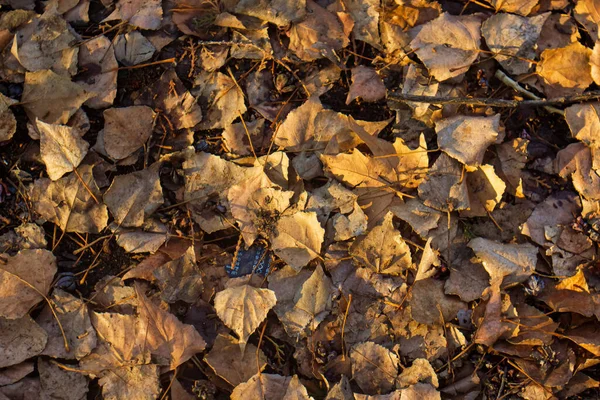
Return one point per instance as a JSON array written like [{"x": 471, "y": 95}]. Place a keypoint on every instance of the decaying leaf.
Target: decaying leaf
[
  {"x": 225, "y": 359},
  {"x": 280, "y": 13},
  {"x": 374, "y": 367},
  {"x": 270, "y": 386},
  {"x": 20, "y": 339},
  {"x": 512, "y": 262},
  {"x": 26, "y": 277},
  {"x": 133, "y": 48},
  {"x": 586, "y": 13},
  {"x": 57, "y": 383},
  {"x": 8, "y": 123},
  {"x": 61, "y": 147},
  {"x": 567, "y": 67},
  {"x": 144, "y": 15},
  {"x": 242, "y": 308},
  {"x": 445, "y": 188},
  {"x": 126, "y": 130},
  {"x": 133, "y": 197},
  {"x": 485, "y": 191},
  {"x": 448, "y": 45},
  {"x": 72, "y": 202},
  {"x": 98, "y": 57},
  {"x": 366, "y": 84},
  {"x": 180, "y": 279},
  {"x": 223, "y": 98},
  {"x": 297, "y": 238},
  {"x": 139, "y": 382},
  {"x": 584, "y": 122}
]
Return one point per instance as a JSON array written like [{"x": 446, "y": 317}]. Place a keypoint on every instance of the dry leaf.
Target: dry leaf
[
  {"x": 512, "y": 156},
  {"x": 584, "y": 123},
  {"x": 180, "y": 279},
  {"x": 297, "y": 239},
  {"x": 139, "y": 382},
  {"x": 444, "y": 187},
  {"x": 75, "y": 320},
  {"x": 595, "y": 63},
  {"x": 467, "y": 138},
  {"x": 319, "y": 35},
  {"x": 448, "y": 45},
  {"x": 485, "y": 191},
  {"x": 270, "y": 387},
  {"x": 224, "y": 358},
  {"x": 522, "y": 7},
  {"x": 420, "y": 371},
  {"x": 171, "y": 341},
  {"x": 430, "y": 305},
  {"x": 576, "y": 161},
  {"x": 586, "y": 336},
  {"x": 555, "y": 211},
  {"x": 19, "y": 275},
  {"x": 143, "y": 14},
  {"x": 242, "y": 308},
  {"x": 297, "y": 132},
  {"x": 52, "y": 98},
  {"x": 223, "y": 98},
  {"x": 366, "y": 84},
  {"x": 97, "y": 56},
  {"x": 133, "y": 197},
  {"x": 383, "y": 249},
  {"x": 69, "y": 204},
  {"x": 15, "y": 373},
  {"x": 364, "y": 15},
  {"x": 61, "y": 147},
  {"x": 133, "y": 48},
  {"x": 512, "y": 262},
  {"x": 374, "y": 368},
  {"x": 514, "y": 38},
  {"x": 20, "y": 339},
  {"x": 126, "y": 130},
  {"x": 57, "y": 383},
  {"x": 241, "y": 143},
  {"x": 567, "y": 67},
  {"x": 8, "y": 123},
  {"x": 278, "y": 12},
  {"x": 587, "y": 14}
]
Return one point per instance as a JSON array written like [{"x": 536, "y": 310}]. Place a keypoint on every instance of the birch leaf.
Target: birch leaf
[
  {"x": 513, "y": 262},
  {"x": 374, "y": 367},
  {"x": 569, "y": 67},
  {"x": 297, "y": 238},
  {"x": 20, "y": 339},
  {"x": 61, "y": 147}
]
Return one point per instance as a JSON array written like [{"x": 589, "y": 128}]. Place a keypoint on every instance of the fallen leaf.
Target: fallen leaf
[
  {"x": 556, "y": 210},
  {"x": 448, "y": 45},
  {"x": 62, "y": 149},
  {"x": 139, "y": 382},
  {"x": 20, "y": 339},
  {"x": 374, "y": 368},
  {"x": 365, "y": 17},
  {"x": 180, "y": 279},
  {"x": 586, "y": 13},
  {"x": 576, "y": 161},
  {"x": 133, "y": 197},
  {"x": 144, "y": 15},
  {"x": 15, "y": 373},
  {"x": 297, "y": 132},
  {"x": 74, "y": 319},
  {"x": 586, "y": 336},
  {"x": 420, "y": 371},
  {"x": 583, "y": 122},
  {"x": 468, "y": 278},
  {"x": 383, "y": 249},
  {"x": 241, "y": 143},
  {"x": 512, "y": 156},
  {"x": 133, "y": 48},
  {"x": 444, "y": 187},
  {"x": 224, "y": 358},
  {"x": 522, "y": 7},
  {"x": 319, "y": 35},
  {"x": 456, "y": 137},
  {"x": 57, "y": 383},
  {"x": 278, "y": 12},
  {"x": 126, "y": 130},
  {"x": 8, "y": 123},
  {"x": 26, "y": 277},
  {"x": 513, "y": 37},
  {"x": 223, "y": 98},
  {"x": 98, "y": 57},
  {"x": 567, "y": 67},
  {"x": 366, "y": 84},
  {"x": 52, "y": 98},
  {"x": 270, "y": 387},
  {"x": 242, "y": 308},
  {"x": 297, "y": 238},
  {"x": 485, "y": 191},
  {"x": 69, "y": 204},
  {"x": 430, "y": 305},
  {"x": 511, "y": 262}
]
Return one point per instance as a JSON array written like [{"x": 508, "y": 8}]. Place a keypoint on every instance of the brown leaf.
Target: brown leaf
[
  {"x": 568, "y": 67},
  {"x": 75, "y": 320},
  {"x": 586, "y": 336},
  {"x": 374, "y": 368},
  {"x": 270, "y": 387},
  {"x": 430, "y": 305},
  {"x": 383, "y": 249},
  {"x": 139, "y": 382},
  {"x": 445, "y": 188},
  {"x": 467, "y": 138},
  {"x": 587, "y": 14},
  {"x": 224, "y": 358},
  {"x": 61, "y": 147},
  {"x": 512, "y": 156},
  {"x": 522, "y": 7},
  {"x": 19, "y": 275},
  {"x": 238, "y": 141},
  {"x": 52, "y": 98},
  {"x": 468, "y": 279},
  {"x": 366, "y": 84},
  {"x": 133, "y": 48},
  {"x": 8, "y": 123},
  {"x": 242, "y": 308},
  {"x": 223, "y": 98},
  {"x": 20, "y": 339},
  {"x": 420, "y": 371},
  {"x": 180, "y": 279},
  {"x": 297, "y": 238},
  {"x": 143, "y": 14},
  {"x": 297, "y": 132},
  {"x": 584, "y": 122},
  {"x": 97, "y": 55},
  {"x": 280, "y": 13},
  {"x": 126, "y": 130},
  {"x": 556, "y": 210},
  {"x": 576, "y": 161},
  {"x": 58, "y": 383},
  {"x": 319, "y": 35},
  {"x": 485, "y": 191},
  {"x": 448, "y": 45},
  {"x": 165, "y": 336},
  {"x": 512, "y": 262},
  {"x": 15, "y": 373},
  {"x": 133, "y": 197},
  {"x": 69, "y": 204},
  {"x": 515, "y": 38},
  {"x": 365, "y": 16}
]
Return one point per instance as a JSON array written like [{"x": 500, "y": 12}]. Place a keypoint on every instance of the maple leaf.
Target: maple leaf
[{"x": 242, "y": 308}]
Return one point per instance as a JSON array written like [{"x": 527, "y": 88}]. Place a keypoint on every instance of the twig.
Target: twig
[{"x": 508, "y": 81}]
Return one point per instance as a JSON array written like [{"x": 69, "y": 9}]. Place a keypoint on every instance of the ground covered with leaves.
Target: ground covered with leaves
[{"x": 294, "y": 199}]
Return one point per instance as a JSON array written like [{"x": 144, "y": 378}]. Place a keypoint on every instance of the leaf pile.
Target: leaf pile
[{"x": 263, "y": 199}]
